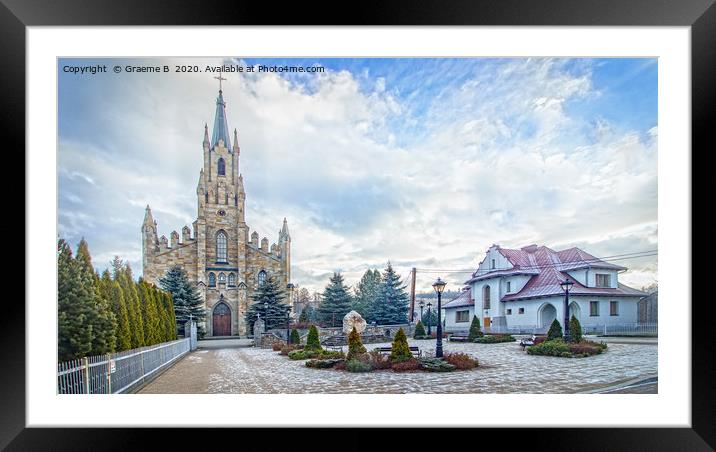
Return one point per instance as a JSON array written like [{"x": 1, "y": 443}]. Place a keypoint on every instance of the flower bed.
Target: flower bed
[
  {"x": 494, "y": 339},
  {"x": 557, "y": 347},
  {"x": 314, "y": 354}
]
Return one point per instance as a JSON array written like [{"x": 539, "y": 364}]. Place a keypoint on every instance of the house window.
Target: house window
[
  {"x": 509, "y": 287},
  {"x": 594, "y": 308},
  {"x": 509, "y": 312},
  {"x": 222, "y": 278},
  {"x": 492, "y": 265},
  {"x": 603, "y": 280},
  {"x": 262, "y": 277},
  {"x": 462, "y": 316},
  {"x": 232, "y": 280},
  {"x": 613, "y": 308},
  {"x": 521, "y": 311},
  {"x": 486, "y": 297},
  {"x": 221, "y": 246},
  {"x": 221, "y": 167},
  {"x": 212, "y": 280}
]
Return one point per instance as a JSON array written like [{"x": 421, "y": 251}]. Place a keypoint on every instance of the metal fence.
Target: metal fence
[
  {"x": 629, "y": 329},
  {"x": 620, "y": 329},
  {"x": 117, "y": 372}
]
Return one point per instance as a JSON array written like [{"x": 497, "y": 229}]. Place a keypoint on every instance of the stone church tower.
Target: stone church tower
[{"x": 220, "y": 255}]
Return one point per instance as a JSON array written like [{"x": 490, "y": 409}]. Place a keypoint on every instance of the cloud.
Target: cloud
[{"x": 407, "y": 165}]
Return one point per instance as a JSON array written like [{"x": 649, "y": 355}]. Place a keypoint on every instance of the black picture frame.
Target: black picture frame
[{"x": 16, "y": 15}]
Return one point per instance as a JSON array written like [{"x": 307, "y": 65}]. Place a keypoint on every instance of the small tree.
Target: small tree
[
  {"x": 575, "y": 330},
  {"x": 475, "y": 330},
  {"x": 295, "y": 337},
  {"x": 400, "y": 351},
  {"x": 355, "y": 345},
  {"x": 555, "y": 330},
  {"x": 312, "y": 342},
  {"x": 419, "y": 330}
]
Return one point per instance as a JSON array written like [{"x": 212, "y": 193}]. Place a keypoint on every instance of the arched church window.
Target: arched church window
[
  {"x": 222, "y": 278},
  {"x": 486, "y": 297},
  {"x": 221, "y": 167},
  {"x": 212, "y": 280},
  {"x": 232, "y": 280},
  {"x": 262, "y": 277},
  {"x": 221, "y": 246}
]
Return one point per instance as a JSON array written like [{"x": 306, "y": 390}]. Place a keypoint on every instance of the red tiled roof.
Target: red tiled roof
[{"x": 548, "y": 269}]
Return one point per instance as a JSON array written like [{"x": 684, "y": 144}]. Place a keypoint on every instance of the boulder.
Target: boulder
[{"x": 353, "y": 319}]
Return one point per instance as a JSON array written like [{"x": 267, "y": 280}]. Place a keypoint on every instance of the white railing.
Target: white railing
[
  {"x": 630, "y": 329},
  {"x": 620, "y": 329},
  {"x": 117, "y": 372}
]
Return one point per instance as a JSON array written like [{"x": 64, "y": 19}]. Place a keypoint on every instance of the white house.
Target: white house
[{"x": 520, "y": 290}]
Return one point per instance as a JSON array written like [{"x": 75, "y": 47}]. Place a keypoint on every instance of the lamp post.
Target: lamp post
[
  {"x": 288, "y": 323},
  {"x": 566, "y": 286},
  {"x": 439, "y": 286},
  {"x": 430, "y": 318},
  {"x": 421, "y": 304},
  {"x": 266, "y": 306}
]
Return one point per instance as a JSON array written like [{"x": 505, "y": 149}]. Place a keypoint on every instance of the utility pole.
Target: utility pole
[{"x": 412, "y": 296}]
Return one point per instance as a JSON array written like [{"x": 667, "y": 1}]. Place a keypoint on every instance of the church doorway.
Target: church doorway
[{"x": 221, "y": 324}]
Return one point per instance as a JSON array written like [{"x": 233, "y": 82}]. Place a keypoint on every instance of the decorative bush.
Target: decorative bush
[
  {"x": 379, "y": 360},
  {"x": 355, "y": 365},
  {"x": 554, "y": 347},
  {"x": 555, "y": 330},
  {"x": 494, "y": 339},
  {"x": 539, "y": 339},
  {"x": 312, "y": 342},
  {"x": 277, "y": 346},
  {"x": 475, "y": 330},
  {"x": 406, "y": 366},
  {"x": 295, "y": 337},
  {"x": 575, "y": 330},
  {"x": 400, "y": 351},
  {"x": 419, "y": 330},
  {"x": 557, "y": 347},
  {"x": 286, "y": 349},
  {"x": 322, "y": 363},
  {"x": 436, "y": 365},
  {"x": 314, "y": 354},
  {"x": 461, "y": 361},
  {"x": 355, "y": 346}
]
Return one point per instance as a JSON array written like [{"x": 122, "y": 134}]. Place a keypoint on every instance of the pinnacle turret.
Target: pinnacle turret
[
  {"x": 148, "y": 219},
  {"x": 206, "y": 135},
  {"x": 236, "y": 141},
  {"x": 284, "y": 230}
]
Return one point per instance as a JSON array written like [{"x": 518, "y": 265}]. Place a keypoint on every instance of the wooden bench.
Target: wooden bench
[
  {"x": 414, "y": 350},
  {"x": 526, "y": 342},
  {"x": 459, "y": 337}
]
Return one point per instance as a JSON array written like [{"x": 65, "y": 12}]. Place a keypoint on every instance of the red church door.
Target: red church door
[{"x": 221, "y": 320}]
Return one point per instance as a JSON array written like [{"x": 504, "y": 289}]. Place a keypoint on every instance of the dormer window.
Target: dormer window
[{"x": 603, "y": 280}]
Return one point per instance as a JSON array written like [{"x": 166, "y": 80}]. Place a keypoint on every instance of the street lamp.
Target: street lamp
[
  {"x": 266, "y": 306},
  {"x": 430, "y": 318},
  {"x": 439, "y": 286},
  {"x": 421, "y": 304},
  {"x": 288, "y": 322},
  {"x": 566, "y": 286}
]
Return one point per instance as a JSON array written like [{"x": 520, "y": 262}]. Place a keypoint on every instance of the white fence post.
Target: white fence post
[{"x": 85, "y": 362}]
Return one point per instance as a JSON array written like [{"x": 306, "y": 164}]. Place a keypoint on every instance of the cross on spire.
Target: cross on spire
[{"x": 220, "y": 78}]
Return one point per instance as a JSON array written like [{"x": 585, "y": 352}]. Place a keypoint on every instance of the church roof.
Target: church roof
[{"x": 221, "y": 126}]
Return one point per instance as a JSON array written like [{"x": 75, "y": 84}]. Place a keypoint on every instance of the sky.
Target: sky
[{"x": 421, "y": 162}]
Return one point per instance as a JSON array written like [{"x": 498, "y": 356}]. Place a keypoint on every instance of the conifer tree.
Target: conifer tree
[
  {"x": 74, "y": 307},
  {"x": 475, "y": 330},
  {"x": 101, "y": 320},
  {"x": 336, "y": 302},
  {"x": 308, "y": 314},
  {"x": 150, "y": 314},
  {"x": 366, "y": 292},
  {"x": 399, "y": 349},
  {"x": 419, "y": 330},
  {"x": 134, "y": 305},
  {"x": 295, "y": 337},
  {"x": 271, "y": 294},
  {"x": 391, "y": 305},
  {"x": 575, "y": 330},
  {"x": 185, "y": 297},
  {"x": 312, "y": 341},
  {"x": 119, "y": 306},
  {"x": 355, "y": 345},
  {"x": 555, "y": 330},
  {"x": 171, "y": 317}
]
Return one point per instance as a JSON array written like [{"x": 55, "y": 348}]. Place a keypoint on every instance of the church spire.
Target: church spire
[
  {"x": 206, "y": 135},
  {"x": 236, "y": 141},
  {"x": 284, "y": 230},
  {"x": 148, "y": 219},
  {"x": 221, "y": 126}
]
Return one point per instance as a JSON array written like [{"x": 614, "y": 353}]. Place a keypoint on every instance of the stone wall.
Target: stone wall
[{"x": 185, "y": 254}]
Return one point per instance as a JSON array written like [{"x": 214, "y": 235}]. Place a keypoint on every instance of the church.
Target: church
[{"x": 219, "y": 253}]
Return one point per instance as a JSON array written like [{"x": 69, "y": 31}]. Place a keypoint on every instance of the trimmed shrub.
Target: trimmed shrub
[
  {"x": 322, "y": 363},
  {"x": 494, "y": 339},
  {"x": 295, "y": 337},
  {"x": 554, "y": 347},
  {"x": 314, "y": 354},
  {"x": 400, "y": 351},
  {"x": 312, "y": 342},
  {"x": 407, "y": 366},
  {"x": 419, "y": 330},
  {"x": 475, "y": 330},
  {"x": 461, "y": 361},
  {"x": 355, "y": 346},
  {"x": 555, "y": 331},
  {"x": 436, "y": 365},
  {"x": 575, "y": 330},
  {"x": 355, "y": 365},
  {"x": 286, "y": 349}
]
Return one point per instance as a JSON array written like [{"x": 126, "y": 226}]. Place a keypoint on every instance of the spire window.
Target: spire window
[
  {"x": 221, "y": 247},
  {"x": 221, "y": 167}
]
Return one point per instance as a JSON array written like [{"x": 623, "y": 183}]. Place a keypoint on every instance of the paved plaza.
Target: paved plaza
[{"x": 504, "y": 368}]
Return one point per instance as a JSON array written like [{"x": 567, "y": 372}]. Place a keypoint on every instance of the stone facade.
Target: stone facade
[{"x": 219, "y": 254}]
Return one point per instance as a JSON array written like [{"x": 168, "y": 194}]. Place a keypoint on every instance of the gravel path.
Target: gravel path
[{"x": 504, "y": 368}]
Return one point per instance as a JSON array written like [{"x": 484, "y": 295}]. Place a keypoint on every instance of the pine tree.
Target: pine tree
[
  {"x": 171, "y": 317},
  {"x": 475, "y": 330},
  {"x": 555, "y": 330},
  {"x": 268, "y": 301},
  {"x": 399, "y": 349},
  {"x": 185, "y": 297},
  {"x": 74, "y": 307},
  {"x": 336, "y": 302},
  {"x": 355, "y": 345},
  {"x": 419, "y": 330},
  {"x": 295, "y": 337},
  {"x": 119, "y": 306},
  {"x": 430, "y": 318},
  {"x": 101, "y": 320},
  {"x": 365, "y": 293},
  {"x": 308, "y": 314},
  {"x": 134, "y": 305},
  {"x": 312, "y": 341},
  {"x": 391, "y": 305},
  {"x": 150, "y": 314},
  {"x": 575, "y": 330}
]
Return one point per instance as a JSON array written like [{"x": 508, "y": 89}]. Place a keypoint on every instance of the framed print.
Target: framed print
[{"x": 400, "y": 224}]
